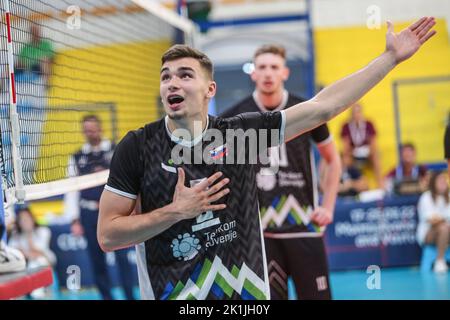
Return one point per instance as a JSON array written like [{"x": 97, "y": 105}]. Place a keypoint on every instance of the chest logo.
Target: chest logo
[
  {"x": 168, "y": 167},
  {"x": 185, "y": 247},
  {"x": 219, "y": 152}
]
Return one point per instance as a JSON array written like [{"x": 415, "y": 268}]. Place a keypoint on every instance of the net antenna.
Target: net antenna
[{"x": 61, "y": 62}]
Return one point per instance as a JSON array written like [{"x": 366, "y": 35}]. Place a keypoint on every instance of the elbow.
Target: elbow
[
  {"x": 105, "y": 241},
  {"x": 105, "y": 244}
]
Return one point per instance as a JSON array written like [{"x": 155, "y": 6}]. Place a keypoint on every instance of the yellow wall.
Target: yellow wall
[
  {"x": 341, "y": 51},
  {"x": 126, "y": 75}
]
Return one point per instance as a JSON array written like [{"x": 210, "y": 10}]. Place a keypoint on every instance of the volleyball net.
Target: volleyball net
[{"x": 62, "y": 60}]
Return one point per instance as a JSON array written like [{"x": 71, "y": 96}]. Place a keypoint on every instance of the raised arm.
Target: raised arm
[{"x": 338, "y": 96}]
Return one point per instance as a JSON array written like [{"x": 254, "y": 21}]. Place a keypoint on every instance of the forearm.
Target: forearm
[
  {"x": 123, "y": 231},
  {"x": 331, "y": 184},
  {"x": 337, "y": 97}
]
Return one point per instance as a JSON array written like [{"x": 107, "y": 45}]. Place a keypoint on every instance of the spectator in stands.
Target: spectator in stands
[
  {"x": 32, "y": 239},
  {"x": 34, "y": 242},
  {"x": 359, "y": 142},
  {"x": 434, "y": 218},
  {"x": 36, "y": 57},
  {"x": 407, "y": 177},
  {"x": 352, "y": 181}
]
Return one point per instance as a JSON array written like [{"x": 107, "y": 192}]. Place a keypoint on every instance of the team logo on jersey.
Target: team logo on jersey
[
  {"x": 219, "y": 152},
  {"x": 169, "y": 166},
  {"x": 266, "y": 180},
  {"x": 185, "y": 247}
]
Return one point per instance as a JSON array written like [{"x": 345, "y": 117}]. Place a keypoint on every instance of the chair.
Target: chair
[{"x": 429, "y": 254}]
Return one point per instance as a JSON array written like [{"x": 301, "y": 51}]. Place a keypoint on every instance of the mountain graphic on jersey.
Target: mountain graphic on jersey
[
  {"x": 213, "y": 278},
  {"x": 286, "y": 210}
]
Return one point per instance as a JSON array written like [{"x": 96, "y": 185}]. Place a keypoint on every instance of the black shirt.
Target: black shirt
[
  {"x": 218, "y": 255},
  {"x": 288, "y": 197}
]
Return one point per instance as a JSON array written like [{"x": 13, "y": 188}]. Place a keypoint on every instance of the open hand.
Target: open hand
[
  {"x": 404, "y": 44},
  {"x": 190, "y": 202}
]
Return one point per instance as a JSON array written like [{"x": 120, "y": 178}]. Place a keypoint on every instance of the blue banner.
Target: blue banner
[
  {"x": 71, "y": 253},
  {"x": 381, "y": 233}
]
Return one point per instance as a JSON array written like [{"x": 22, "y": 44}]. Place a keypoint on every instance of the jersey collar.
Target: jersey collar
[
  {"x": 184, "y": 142},
  {"x": 281, "y": 106}
]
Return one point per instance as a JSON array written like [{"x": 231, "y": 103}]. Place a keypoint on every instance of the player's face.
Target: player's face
[
  {"x": 270, "y": 73},
  {"x": 93, "y": 132},
  {"x": 185, "y": 88}
]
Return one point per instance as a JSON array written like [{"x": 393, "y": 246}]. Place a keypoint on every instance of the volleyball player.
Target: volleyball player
[
  {"x": 199, "y": 234},
  {"x": 291, "y": 215}
]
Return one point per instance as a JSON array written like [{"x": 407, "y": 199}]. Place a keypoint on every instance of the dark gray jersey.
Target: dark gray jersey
[
  {"x": 287, "y": 197},
  {"x": 218, "y": 255}
]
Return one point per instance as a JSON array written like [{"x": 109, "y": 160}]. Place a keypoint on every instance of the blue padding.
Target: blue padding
[{"x": 429, "y": 254}]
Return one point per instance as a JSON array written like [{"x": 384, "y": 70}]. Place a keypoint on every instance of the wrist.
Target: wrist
[
  {"x": 391, "y": 60},
  {"x": 172, "y": 213}
]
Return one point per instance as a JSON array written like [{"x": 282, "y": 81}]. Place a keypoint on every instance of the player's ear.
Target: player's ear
[
  {"x": 286, "y": 72},
  {"x": 212, "y": 87},
  {"x": 253, "y": 76}
]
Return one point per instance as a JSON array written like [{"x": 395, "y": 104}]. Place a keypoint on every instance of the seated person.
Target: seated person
[
  {"x": 34, "y": 242},
  {"x": 352, "y": 181},
  {"x": 359, "y": 142},
  {"x": 37, "y": 55},
  {"x": 408, "y": 177},
  {"x": 34, "y": 61},
  {"x": 434, "y": 218}
]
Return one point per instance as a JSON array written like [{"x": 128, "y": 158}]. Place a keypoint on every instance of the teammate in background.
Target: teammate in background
[
  {"x": 360, "y": 143},
  {"x": 202, "y": 238},
  {"x": 95, "y": 155},
  {"x": 289, "y": 204}
]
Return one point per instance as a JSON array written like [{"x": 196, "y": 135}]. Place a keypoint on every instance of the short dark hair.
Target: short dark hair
[
  {"x": 409, "y": 145},
  {"x": 180, "y": 51},
  {"x": 91, "y": 117},
  {"x": 270, "y": 48}
]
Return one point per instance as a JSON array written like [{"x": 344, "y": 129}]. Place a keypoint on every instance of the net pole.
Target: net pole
[
  {"x": 13, "y": 115},
  {"x": 178, "y": 20}
]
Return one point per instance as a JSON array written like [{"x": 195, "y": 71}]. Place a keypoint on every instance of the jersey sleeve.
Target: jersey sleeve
[
  {"x": 321, "y": 134},
  {"x": 126, "y": 168},
  {"x": 273, "y": 122}
]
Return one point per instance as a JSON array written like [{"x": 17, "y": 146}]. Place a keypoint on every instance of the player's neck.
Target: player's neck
[
  {"x": 270, "y": 100},
  {"x": 195, "y": 125}
]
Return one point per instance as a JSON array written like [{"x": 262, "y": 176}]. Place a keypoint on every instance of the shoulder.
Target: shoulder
[
  {"x": 43, "y": 231},
  {"x": 425, "y": 197},
  {"x": 422, "y": 170},
  {"x": 138, "y": 136},
  {"x": 246, "y": 105},
  {"x": 293, "y": 100}
]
